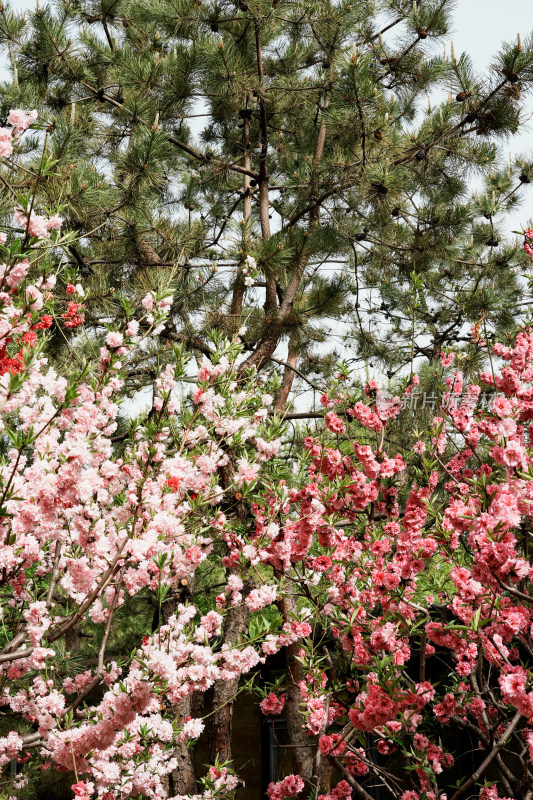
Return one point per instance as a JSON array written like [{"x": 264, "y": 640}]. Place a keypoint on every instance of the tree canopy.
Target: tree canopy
[{"x": 334, "y": 143}]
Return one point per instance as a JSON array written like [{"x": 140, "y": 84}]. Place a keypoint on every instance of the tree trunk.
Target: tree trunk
[
  {"x": 301, "y": 750},
  {"x": 183, "y": 779},
  {"x": 239, "y": 286},
  {"x": 288, "y": 378},
  {"x": 274, "y": 327},
  {"x": 224, "y": 692}
]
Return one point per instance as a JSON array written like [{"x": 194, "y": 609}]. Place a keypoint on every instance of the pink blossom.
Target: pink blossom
[
  {"x": 246, "y": 473},
  {"x": 6, "y": 145},
  {"x": 82, "y": 790},
  {"x": 192, "y": 729},
  {"x": 334, "y": 423},
  {"x": 273, "y": 704},
  {"x": 261, "y": 597},
  {"x": 20, "y": 120},
  {"x": 114, "y": 339},
  {"x": 290, "y": 786},
  {"x": 148, "y": 301}
]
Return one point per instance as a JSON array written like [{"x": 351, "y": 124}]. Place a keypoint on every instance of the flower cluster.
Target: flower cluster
[
  {"x": 19, "y": 121},
  {"x": 399, "y": 582},
  {"x": 83, "y": 530},
  {"x": 249, "y": 271},
  {"x": 371, "y": 559},
  {"x": 105, "y": 529}
]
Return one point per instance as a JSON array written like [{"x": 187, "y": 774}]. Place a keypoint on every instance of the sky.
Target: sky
[{"x": 480, "y": 28}]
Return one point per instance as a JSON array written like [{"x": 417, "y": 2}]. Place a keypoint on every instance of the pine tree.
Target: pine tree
[
  {"x": 194, "y": 134},
  {"x": 286, "y": 144}
]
